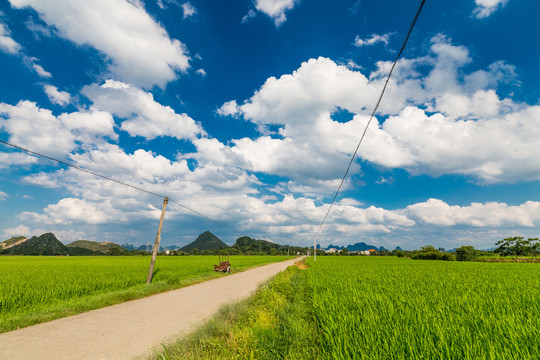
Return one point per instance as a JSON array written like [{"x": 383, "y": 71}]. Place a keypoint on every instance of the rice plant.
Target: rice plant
[{"x": 388, "y": 308}]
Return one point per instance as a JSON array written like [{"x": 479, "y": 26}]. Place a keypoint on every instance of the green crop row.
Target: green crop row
[
  {"x": 388, "y": 308},
  {"x": 35, "y": 289},
  {"x": 381, "y": 308}
]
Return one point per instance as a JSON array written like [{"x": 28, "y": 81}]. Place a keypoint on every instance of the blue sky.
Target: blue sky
[{"x": 248, "y": 112}]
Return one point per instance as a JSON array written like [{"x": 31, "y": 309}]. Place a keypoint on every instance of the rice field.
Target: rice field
[
  {"x": 380, "y": 308},
  {"x": 392, "y": 308},
  {"x": 39, "y": 288}
]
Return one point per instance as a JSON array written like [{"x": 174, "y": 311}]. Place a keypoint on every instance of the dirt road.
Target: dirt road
[{"x": 131, "y": 330}]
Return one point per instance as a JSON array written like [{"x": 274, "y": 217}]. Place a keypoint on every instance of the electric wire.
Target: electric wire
[
  {"x": 116, "y": 181},
  {"x": 369, "y": 122}
]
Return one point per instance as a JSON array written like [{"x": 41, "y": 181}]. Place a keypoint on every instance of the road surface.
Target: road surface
[{"x": 133, "y": 329}]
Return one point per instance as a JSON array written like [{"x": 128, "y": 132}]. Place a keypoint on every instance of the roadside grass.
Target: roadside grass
[
  {"x": 275, "y": 323},
  {"x": 39, "y": 289}
]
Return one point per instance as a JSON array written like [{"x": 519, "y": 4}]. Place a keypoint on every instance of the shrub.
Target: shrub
[{"x": 466, "y": 253}]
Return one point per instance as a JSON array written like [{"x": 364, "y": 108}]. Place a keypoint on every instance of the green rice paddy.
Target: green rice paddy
[
  {"x": 381, "y": 308},
  {"x": 39, "y": 288},
  {"x": 388, "y": 308}
]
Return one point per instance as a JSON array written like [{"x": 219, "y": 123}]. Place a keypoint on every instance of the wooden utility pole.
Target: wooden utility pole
[
  {"x": 156, "y": 244},
  {"x": 314, "y": 250}
]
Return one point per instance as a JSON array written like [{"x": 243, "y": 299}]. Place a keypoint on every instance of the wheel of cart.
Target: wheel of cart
[{"x": 224, "y": 264}]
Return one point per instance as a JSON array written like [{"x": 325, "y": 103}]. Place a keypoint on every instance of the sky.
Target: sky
[{"x": 248, "y": 112}]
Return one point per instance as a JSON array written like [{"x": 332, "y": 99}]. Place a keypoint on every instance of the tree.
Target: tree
[
  {"x": 466, "y": 253},
  {"x": 344, "y": 252},
  {"x": 534, "y": 246},
  {"x": 428, "y": 249},
  {"x": 513, "y": 246}
]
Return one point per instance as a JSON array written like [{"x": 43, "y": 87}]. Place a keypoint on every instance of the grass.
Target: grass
[
  {"x": 275, "y": 323},
  {"x": 36, "y": 289},
  {"x": 380, "y": 308}
]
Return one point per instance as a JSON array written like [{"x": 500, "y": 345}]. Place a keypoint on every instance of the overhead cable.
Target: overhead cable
[
  {"x": 113, "y": 180},
  {"x": 369, "y": 122}
]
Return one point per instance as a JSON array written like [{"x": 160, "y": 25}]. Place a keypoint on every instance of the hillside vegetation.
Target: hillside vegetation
[
  {"x": 102, "y": 247},
  {"x": 205, "y": 241},
  {"x": 13, "y": 241}
]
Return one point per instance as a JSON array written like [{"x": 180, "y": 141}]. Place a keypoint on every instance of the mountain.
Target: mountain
[
  {"x": 46, "y": 244},
  {"x": 361, "y": 246},
  {"x": 206, "y": 241},
  {"x": 14, "y": 241},
  {"x": 334, "y": 247},
  {"x": 104, "y": 247}
]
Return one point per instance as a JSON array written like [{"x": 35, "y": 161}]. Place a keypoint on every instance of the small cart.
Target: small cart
[{"x": 224, "y": 265}]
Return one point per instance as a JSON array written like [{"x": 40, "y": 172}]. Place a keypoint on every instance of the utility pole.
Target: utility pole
[
  {"x": 156, "y": 244},
  {"x": 314, "y": 249}
]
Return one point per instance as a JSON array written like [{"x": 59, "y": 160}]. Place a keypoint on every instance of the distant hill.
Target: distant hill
[
  {"x": 15, "y": 240},
  {"x": 102, "y": 247},
  {"x": 206, "y": 241},
  {"x": 361, "y": 246},
  {"x": 46, "y": 244}
]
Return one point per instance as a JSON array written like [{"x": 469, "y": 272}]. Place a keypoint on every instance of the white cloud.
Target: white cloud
[
  {"x": 139, "y": 48},
  {"x": 7, "y": 44},
  {"x": 142, "y": 165},
  {"x": 20, "y": 230},
  {"x": 201, "y": 72},
  {"x": 35, "y": 128},
  {"x": 55, "y": 96},
  {"x": 485, "y": 8},
  {"x": 470, "y": 130},
  {"x": 230, "y": 108},
  {"x": 38, "y": 29},
  {"x": 372, "y": 40},
  {"x": 3, "y": 196},
  {"x": 41, "y": 71},
  {"x": 72, "y": 210},
  {"x": 39, "y": 130},
  {"x": 143, "y": 115},
  {"x": 275, "y": 9},
  {"x": 15, "y": 158},
  {"x": 250, "y": 15},
  {"x": 188, "y": 10},
  {"x": 491, "y": 214}
]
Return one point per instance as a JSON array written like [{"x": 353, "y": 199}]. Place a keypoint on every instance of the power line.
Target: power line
[
  {"x": 116, "y": 181},
  {"x": 369, "y": 122}
]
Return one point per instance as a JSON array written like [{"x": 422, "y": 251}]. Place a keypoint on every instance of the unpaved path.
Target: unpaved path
[{"x": 132, "y": 329}]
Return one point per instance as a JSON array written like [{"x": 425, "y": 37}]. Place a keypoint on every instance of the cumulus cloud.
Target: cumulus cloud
[
  {"x": 201, "y": 72},
  {"x": 470, "y": 130},
  {"x": 275, "y": 9},
  {"x": 7, "y": 44},
  {"x": 15, "y": 158},
  {"x": 39, "y": 130},
  {"x": 20, "y": 230},
  {"x": 485, "y": 8},
  {"x": 55, "y": 96},
  {"x": 491, "y": 214},
  {"x": 71, "y": 210},
  {"x": 372, "y": 40},
  {"x": 143, "y": 115},
  {"x": 139, "y": 49},
  {"x": 230, "y": 108},
  {"x": 3, "y": 196}
]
